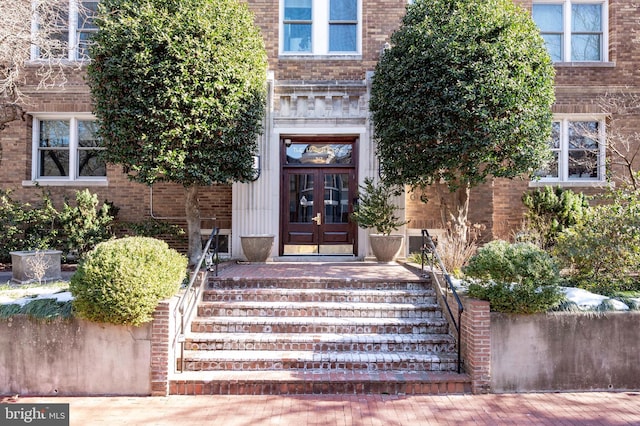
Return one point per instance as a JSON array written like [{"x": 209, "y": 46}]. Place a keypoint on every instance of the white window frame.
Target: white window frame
[
  {"x": 566, "y": 28},
  {"x": 73, "y": 31},
  {"x": 563, "y": 177},
  {"x": 320, "y": 33},
  {"x": 73, "y": 178}
]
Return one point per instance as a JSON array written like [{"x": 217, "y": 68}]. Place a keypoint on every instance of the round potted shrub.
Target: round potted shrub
[
  {"x": 375, "y": 210},
  {"x": 121, "y": 281}
]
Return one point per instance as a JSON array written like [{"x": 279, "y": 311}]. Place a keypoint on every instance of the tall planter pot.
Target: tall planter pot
[
  {"x": 385, "y": 247},
  {"x": 257, "y": 248}
]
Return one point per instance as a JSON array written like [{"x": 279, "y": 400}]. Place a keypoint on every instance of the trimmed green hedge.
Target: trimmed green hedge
[
  {"x": 514, "y": 278},
  {"x": 121, "y": 281}
]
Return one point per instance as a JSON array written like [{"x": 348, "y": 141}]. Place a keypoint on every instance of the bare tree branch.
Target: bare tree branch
[{"x": 34, "y": 50}]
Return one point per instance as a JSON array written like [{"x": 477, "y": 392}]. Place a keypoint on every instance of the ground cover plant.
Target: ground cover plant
[{"x": 38, "y": 301}]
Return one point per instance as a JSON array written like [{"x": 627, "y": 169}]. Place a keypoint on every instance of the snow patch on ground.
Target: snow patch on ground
[{"x": 21, "y": 297}]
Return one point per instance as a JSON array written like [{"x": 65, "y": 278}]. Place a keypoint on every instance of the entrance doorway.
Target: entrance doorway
[{"x": 319, "y": 186}]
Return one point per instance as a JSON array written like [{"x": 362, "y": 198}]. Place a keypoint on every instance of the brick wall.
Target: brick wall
[{"x": 495, "y": 204}]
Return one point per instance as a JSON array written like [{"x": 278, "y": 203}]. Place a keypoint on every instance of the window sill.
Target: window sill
[
  {"x": 571, "y": 183},
  {"x": 65, "y": 182},
  {"x": 68, "y": 62},
  {"x": 312, "y": 57},
  {"x": 585, "y": 64}
]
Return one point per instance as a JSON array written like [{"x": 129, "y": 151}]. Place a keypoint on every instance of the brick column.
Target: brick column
[
  {"x": 475, "y": 342},
  {"x": 161, "y": 348}
]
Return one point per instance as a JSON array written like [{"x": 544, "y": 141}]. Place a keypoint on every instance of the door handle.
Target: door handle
[{"x": 317, "y": 219}]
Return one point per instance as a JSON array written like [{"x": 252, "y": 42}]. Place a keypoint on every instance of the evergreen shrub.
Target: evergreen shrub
[
  {"x": 514, "y": 278},
  {"x": 602, "y": 253},
  {"x": 551, "y": 210},
  {"x": 121, "y": 281}
]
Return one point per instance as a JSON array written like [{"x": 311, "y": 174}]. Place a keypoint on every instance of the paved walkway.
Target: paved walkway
[{"x": 521, "y": 409}]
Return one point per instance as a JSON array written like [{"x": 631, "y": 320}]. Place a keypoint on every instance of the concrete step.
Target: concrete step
[
  {"x": 341, "y": 325},
  {"x": 318, "y": 382},
  {"x": 310, "y": 360},
  {"x": 319, "y": 295},
  {"x": 321, "y": 283},
  {"x": 318, "y": 309},
  {"x": 434, "y": 343}
]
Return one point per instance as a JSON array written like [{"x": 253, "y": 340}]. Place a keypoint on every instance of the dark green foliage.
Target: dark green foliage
[
  {"x": 74, "y": 229},
  {"x": 464, "y": 92},
  {"x": 551, "y": 210},
  {"x": 602, "y": 252},
  {"x": 514, "y": 278},
  {"x": 179, "y": 88},
  {"x": 152, "y": 228},
  {"x": 121, "y": 281},
  {"x": 84, "y": 225},
  {"x": 26, "y": 227},
  {"x": 40, "y": 309},
  {"x": 375, "y": 208}
]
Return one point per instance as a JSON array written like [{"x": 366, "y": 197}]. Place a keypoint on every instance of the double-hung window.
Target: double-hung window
[
  {"x": 67, "y": 149},
  {"x": 573, "y": 30},
  {"x": 62, "y": 29},
  {"x": 578, "y": 151},
  {"x": 320, "y": 27}
]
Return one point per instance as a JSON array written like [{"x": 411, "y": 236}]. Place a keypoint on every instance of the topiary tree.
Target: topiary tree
[
  {"x": 514, "y": 278},
  {"x": 121, "y": 281},
  {"x": 464, "y": 93},
  {"x": 179, "y": 88}
]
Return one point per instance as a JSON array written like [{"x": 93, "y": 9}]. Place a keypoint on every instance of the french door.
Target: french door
[{"x": 316, "y": 207}]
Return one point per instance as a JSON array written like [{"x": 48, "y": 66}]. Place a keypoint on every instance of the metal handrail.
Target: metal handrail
[
  {"x": 191, "y": 296},
  {"x": 428, "y": 246}
]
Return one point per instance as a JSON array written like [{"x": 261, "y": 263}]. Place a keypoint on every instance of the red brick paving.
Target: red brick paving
[{"x": 596, "y": 408}]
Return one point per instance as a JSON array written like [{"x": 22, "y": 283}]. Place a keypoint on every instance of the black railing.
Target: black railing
[
  {"x": 429, "y": 251},
  {"x": 183, "y": 313}
]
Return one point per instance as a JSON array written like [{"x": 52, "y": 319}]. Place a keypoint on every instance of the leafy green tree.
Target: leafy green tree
[
  {"x": 179, "y": 88},
  {"x": 464, "y": 93}
]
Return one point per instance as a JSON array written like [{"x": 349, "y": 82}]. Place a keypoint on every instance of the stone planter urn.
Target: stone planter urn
[
  {"x": 257, "y": 248},
  {"x": 385, "y": 247},
  {"x": 35, "y": 266}
]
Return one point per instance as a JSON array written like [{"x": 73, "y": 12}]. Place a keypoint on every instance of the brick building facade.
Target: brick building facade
[{"x": 318, "y": 127}]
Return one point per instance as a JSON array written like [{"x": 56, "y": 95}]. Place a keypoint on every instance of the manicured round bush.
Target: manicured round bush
[
  {"x": 121, "y": 281},
  {"x": 514, "y": 278}
]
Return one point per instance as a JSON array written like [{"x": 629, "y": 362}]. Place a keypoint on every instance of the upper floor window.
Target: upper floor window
[
  {"x": 573, "y": 30},
  {"x": 66, "y": 148},
  {"x": 578, "y": 147},
  {"x": 63, "y": 29},
  {"x": 320, "y": 27}
]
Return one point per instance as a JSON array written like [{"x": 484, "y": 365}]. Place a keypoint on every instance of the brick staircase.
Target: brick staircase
[{"x": 319, "y": 336}]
